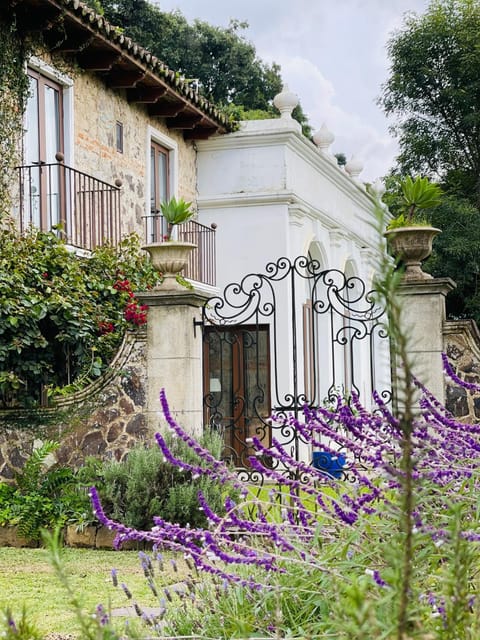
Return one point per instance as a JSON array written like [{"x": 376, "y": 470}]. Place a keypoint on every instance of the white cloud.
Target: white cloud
[
  {"x": 332, "y": 54},
  {"x": 353, "y": 134}
]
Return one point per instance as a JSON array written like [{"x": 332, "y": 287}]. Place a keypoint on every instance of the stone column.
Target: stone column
[
  {"x": 423, "y": 317},
  {"x": 174, "y": 356}
]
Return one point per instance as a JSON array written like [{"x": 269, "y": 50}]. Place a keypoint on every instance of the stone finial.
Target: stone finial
[
  {"x": 378, "y": 188},
  {"x": 286, "y": 101},
  {"x": 323, "y": 138},
  {"x": 354, "y": 167}
]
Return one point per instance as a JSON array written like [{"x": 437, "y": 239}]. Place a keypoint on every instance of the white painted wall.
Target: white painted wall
[{"x": 274, "y": 194}]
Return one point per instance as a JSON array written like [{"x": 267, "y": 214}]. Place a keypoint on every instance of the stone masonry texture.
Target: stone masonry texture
[
  {"x": 462, "y": 346},
  {"x": 104, "y": 420}
]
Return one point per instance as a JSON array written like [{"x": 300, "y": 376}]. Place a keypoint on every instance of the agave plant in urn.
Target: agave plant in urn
[
  {"x": 410, "y": 234},
  {"x": 170, "y": 256}
]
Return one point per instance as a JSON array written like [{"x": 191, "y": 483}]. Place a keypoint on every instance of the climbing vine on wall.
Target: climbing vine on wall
[
  {"x": 14, "y": 52},
  {"x": 62, "y": 318}
]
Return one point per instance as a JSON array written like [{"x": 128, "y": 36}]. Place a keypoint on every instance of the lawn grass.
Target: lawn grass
[
  {"x": 272, "y": 507},
  {"x": 27, "y": 580}
]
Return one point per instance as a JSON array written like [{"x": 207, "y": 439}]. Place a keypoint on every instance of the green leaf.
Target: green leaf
[{"x": 176, "y": 211}]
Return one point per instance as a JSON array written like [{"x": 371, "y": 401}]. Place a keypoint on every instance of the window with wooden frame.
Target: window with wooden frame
[
  {"x": 159, "y": 190},
  {"x": 43, "y": 188}
]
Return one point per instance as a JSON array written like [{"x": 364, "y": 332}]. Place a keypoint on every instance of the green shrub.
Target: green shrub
[
  {"x": 44, "y": 496},
  {"x": 6, "y": 500},
  {"x": 62, "y": 318},
  {"x": 144, "y": 485}
]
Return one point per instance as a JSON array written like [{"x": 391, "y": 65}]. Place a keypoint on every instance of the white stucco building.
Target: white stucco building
[{"x": 299, "y": 335}]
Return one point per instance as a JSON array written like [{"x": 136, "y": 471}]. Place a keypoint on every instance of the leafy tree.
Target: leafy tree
[
  {"x": 96, "y": 5},
  {"x": 434, "y": 91},
  {"x": 456, "y": 251},
  {"x": 457, "y": 255},
  {"x": 221, "y": 60},
  {"x": 341, "y": 159}
]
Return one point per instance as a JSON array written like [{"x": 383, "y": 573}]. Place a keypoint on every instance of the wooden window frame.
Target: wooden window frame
[
  {"x": 155, "y": 231},
  {"x": 42, "y": 82}
]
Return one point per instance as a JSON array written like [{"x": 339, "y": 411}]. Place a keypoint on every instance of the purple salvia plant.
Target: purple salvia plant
[
  {"x": 446, "y": 454},
  {"x": 456, "y": 379}
]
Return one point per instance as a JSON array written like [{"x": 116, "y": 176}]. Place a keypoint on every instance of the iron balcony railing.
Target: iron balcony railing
[
  {"x": 201, "y": 264},
  {"x": 56, "y": 196}
]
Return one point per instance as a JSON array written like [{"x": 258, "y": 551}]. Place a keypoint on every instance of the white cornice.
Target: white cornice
[
  {"x": 249, "y": 199},
  {"x": 296, "y": 206},
  {"x": 302, "y": 147}
]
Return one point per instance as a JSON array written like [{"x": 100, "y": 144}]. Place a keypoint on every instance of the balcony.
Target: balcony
[
  {"x": 201, "y": 264},
  {"x": 52, "y": 195},
  {"x": 86, "y": 209}
]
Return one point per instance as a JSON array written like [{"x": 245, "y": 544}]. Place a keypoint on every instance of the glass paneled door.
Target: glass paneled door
[
  {"x": 237, "y": 387},
  {"x": 159, "y": 190},
  {"x": 43, "y": 187}
]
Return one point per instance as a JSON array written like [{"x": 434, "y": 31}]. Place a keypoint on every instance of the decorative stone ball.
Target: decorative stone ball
[
  {"x": 354, "y": 167},
  {"x": 285, "y": 102},
  {"x": 323, "y": 138}
]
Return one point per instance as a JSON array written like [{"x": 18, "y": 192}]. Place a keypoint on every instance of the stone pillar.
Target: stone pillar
[
  {"x": 423, "y": 316},
  {"x": 175, "y": 355}
]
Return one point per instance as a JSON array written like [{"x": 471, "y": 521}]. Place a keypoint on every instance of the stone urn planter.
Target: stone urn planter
[
  {"x": 170, "y": 258},
  {"x": 411, "y": 245}
]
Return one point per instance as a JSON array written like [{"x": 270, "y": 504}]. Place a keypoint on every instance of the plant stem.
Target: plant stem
[
  {"x": 403, "y": 383},
  {"x": 407, "y": 528},
  {"x": 411, "y": 212},
  {"x": 406, "y": 467}
]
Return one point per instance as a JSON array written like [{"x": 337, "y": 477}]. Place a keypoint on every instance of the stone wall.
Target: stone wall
[
  {"x": 95, "y": 147},
  {"x": 105, "y": 419},
  {"x": 462, "y": 346},
  {"x": 90, "y": 112}
]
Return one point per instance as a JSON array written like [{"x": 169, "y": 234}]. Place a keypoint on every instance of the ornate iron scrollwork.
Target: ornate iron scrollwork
[{"x": 276, "y": 341}]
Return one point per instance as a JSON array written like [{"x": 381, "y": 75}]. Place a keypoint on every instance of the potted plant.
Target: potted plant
[
  {"x": 410, "y": 234},
  {"x": 171, "y": 256}
]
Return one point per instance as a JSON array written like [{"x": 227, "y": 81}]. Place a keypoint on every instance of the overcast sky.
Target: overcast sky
[{"x": 333, "y": 56}]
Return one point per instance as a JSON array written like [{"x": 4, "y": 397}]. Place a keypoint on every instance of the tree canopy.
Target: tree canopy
[
  {"x": 220, "y": 60},
  {"x": 434, "y": 92},
  {"x": 457, "y": 255}
]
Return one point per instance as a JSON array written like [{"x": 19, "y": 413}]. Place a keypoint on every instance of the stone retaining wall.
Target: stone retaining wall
[
  {"x": 462, "y": 346},
  {"x": 87, "y": 537},
  {"x": 105, "y": 419}
]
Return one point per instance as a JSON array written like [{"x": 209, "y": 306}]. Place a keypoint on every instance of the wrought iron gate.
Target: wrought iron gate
[{"x": 296, "y": 334}]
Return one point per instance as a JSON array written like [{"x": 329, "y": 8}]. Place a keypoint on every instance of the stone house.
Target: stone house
[{"x": 110, "y": 131}]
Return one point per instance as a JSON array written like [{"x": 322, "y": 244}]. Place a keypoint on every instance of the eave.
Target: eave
[{"x": 71, "y": 28}]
